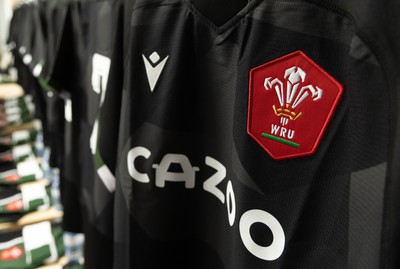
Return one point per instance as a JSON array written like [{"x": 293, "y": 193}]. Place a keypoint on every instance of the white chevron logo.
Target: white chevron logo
[{"x": 154, "y": 69}]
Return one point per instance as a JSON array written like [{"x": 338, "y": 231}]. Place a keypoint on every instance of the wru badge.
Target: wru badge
[{"x": 291, "y": 101}]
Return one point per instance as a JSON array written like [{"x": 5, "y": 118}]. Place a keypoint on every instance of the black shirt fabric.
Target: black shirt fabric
[
  {"x": 102, "y": 89},
  {"x": 94, "y": 34},
  {"x": 158, "y": 167},
  {"x": 191, "y": 125}
]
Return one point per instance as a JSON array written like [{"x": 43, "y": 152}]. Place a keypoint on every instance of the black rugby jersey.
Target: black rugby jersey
[
  {"x": 197, "y": 188},
  {"x": 95, "y": 31}
]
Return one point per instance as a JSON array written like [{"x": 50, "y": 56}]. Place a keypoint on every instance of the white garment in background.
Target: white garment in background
[{"x": 5, "y": 18}]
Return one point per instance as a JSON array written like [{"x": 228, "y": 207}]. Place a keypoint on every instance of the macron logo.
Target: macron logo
[{"x": 154, "y": 67}]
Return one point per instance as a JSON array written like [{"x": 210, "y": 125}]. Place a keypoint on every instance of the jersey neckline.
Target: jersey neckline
[{"x": 230, "y": 22}]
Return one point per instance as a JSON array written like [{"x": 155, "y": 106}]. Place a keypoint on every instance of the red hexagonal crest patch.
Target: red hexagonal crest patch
[{"x": 291, "y": 100}]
